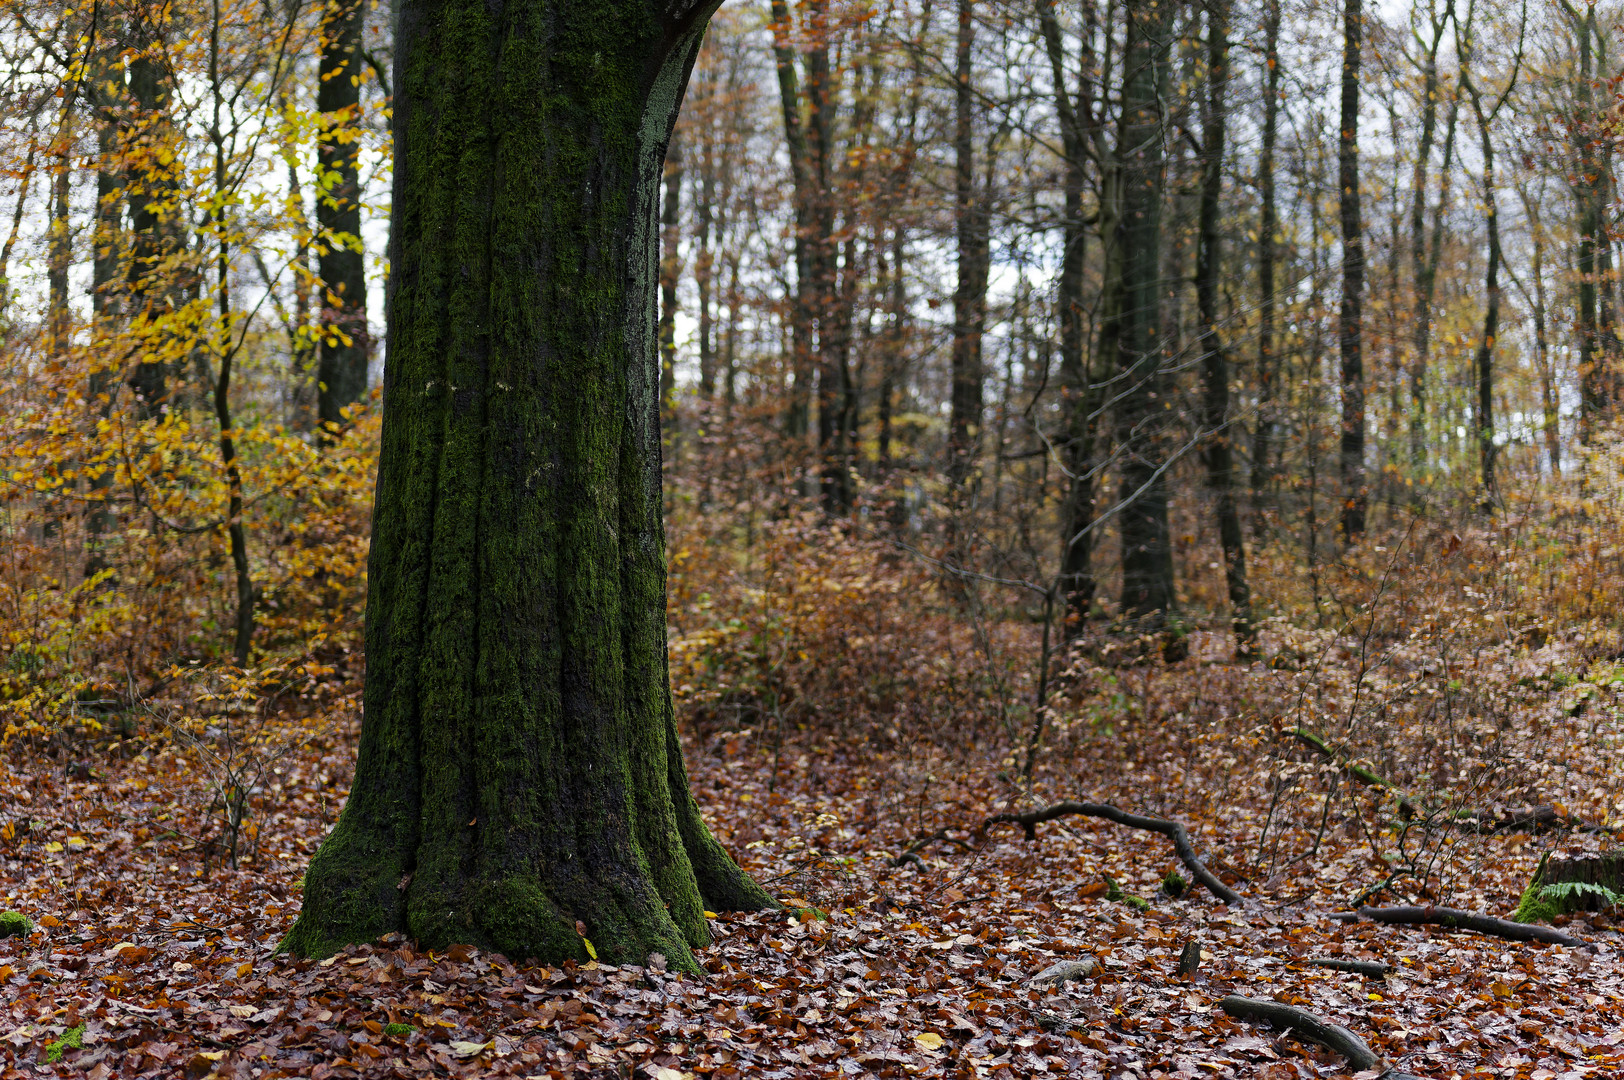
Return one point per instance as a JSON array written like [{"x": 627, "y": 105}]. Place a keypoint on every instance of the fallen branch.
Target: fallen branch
[
  {"x": 1171, "y": 829},
  {"x": 1533, "y": 819},
  {"x": 1468, "y": 920},
  {"x": 1306, "y": 1025},
  {"x": 1365, "y": 776},
  {"x": 1371, "y": 969}
]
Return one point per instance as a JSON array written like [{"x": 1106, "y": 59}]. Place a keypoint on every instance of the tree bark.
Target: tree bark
[
  {"x": 1214, "y": 360},
  {"x": 1142, "y": 413},
  {"x": 1352, "y": 458},
  {"x": 520, "y": 783},
  {"x": 345, "y": 344}
]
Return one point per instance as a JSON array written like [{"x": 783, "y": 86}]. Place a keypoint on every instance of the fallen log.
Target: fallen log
[
  {"x": 1171, "y": 829},
  {"x": 1469, "y": 920},
  {"x": 1305, "y": 1025}
]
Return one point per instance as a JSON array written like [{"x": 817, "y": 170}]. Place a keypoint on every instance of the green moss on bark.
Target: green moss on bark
[{"x": 519, "y": 768}]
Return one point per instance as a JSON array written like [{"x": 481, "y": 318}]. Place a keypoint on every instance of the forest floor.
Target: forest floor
[{"x": 143, "y": 964}]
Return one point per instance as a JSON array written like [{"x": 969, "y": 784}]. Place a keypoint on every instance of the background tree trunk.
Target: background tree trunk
[
  {"x": 970, "y": 297},
  {"x": 345, "y": 343},
  {"x": 1268, "y": 247},
  {"x": 1142, "y": 415},
  {"x": 519, "y": 773},
  {"x": 1214, "y": 361}
]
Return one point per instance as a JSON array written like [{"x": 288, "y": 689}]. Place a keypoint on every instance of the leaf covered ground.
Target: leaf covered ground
[{"x": 140, "y": 964}]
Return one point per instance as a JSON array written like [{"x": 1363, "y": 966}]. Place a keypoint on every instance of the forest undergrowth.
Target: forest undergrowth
[{"x": 1423, "y": 735}]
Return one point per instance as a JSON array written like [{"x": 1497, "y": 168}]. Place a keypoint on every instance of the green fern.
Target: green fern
[{"x": 1560, "y": 891}]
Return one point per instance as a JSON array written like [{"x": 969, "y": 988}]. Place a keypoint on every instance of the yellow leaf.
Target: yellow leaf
[
  {"x": 76, "y": 841},
  {"x": 928, "y": 1040},
  {"x": 470, "y": 1049},
  {"x": 53, "y": 847},
  {"x": 590, "y": 951},
  {"x": 1500, "y": 990},
  {"x": 710, "y": 914},
  {"x": 1374, "y": 997}
]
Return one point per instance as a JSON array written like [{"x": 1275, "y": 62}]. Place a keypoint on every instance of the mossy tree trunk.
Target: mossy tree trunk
[{"x": 519, "y": 768}]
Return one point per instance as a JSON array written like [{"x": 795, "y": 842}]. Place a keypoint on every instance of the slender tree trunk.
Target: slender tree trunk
[
  {"x": 24, "y": 180},
  {"x": 1424, "y": 267},
  {"x": 705, "y": 213},
  {"x": 1351, "y": 462},
  {"x": 1214, "y": 361},
  {"x": 1484, "y": 359},
  {"x": 226, "y": 350},
  {"x": 107, "y": 79},
  {"x": 1141, "y": 413},
  {"x": 970, "y": 294},
  {"x": 59, "y": 247},
  {"x": 520, "y": 783},
  {"x": 797, "y": 418},
  {"x": 345, "y": 343},
  {"x": 1596, "y": 389},
  {"x": 1268, "y": 246},
  {"x": 1550, "y": 416}
]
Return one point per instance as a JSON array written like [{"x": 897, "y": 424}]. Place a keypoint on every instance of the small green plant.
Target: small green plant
[
  {"x": 398, "y": 1029},
  {"x": 72, "y": 1039},
  {"x": 1113, "y": 892},
  {"x": 15, "y": 924},
  {"x": 1174, "y": 884}
]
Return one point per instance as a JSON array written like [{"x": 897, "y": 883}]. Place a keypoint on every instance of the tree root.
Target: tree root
[
  {"x": 1306, "y": 1025},
  {"x": 1170, "y": 829},
  {"x": 1467, "y": 920}
]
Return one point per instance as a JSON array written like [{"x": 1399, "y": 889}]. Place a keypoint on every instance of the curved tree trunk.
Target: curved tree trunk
[{"x": 519, "y": 774}]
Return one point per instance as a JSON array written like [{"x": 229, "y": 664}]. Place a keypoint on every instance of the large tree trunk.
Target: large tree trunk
[
  {"x": 1141, "y": 413},
  {"x": 519, "y": 770},
  {"x": 1220, "y": 458},
  {"x": 345, "y": 345},
  {"x": 1352, "y": 459}
]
